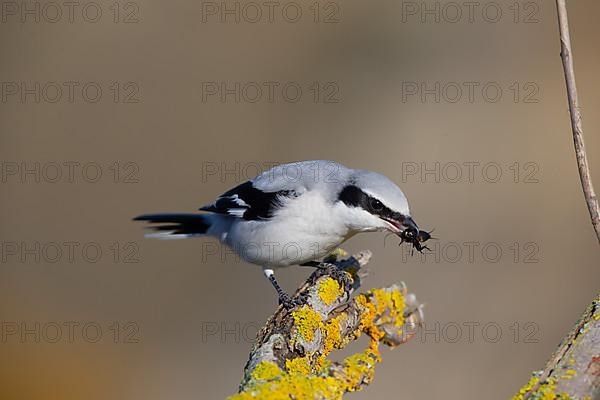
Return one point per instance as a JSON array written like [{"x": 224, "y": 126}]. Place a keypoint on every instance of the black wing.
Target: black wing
[{"x": 249, "y": 203}]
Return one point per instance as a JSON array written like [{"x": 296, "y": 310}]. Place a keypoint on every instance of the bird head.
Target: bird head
[{"x": 372, "y": 202}]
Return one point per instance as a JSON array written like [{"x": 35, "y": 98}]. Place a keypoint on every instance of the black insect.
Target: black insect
[{"x": 416, "y": 238}]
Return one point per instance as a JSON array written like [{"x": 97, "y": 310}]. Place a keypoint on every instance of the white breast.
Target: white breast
[{"x": 305, "y": 229}]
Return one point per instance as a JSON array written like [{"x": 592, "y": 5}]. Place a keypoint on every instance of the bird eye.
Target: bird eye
[{"x": 376, "y": 204}]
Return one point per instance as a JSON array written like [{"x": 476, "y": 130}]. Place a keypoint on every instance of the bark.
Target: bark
[
  {"x": 573, "y": 371},
  {"x": 290, "y": 356}
]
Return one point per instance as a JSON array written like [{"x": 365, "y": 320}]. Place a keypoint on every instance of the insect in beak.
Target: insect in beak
[{"x": 416, "y": 238}]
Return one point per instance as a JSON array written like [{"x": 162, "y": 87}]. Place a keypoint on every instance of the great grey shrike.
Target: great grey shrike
[{"x": 293, "y": 214}]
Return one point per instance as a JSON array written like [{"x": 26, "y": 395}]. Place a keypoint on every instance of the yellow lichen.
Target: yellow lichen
[
  {"x": 389, "y": 305},
  {"x": 397, "y": 306},
  {"x": 536, "y": 390},
  {"x": 300, "y": 385},
  {"x": 300, "y": 381},
  {"x": 526, "y": 389},
  {"x": 329, "y": 290},
  {"x": 298, "y": 365},
  {"x": 265, "y": 371},
  {"x": 307, "y": 321},
  {"x": 570, "y": 373},
  {"x": 369, "y": 312},
  {"x": 332, "y": 340},
  {"x": 382, "y": 298},
  {"x": 359, "y": 368},
  {"x": 333, "y": 335},
  {"x": 297, "y": 386}
]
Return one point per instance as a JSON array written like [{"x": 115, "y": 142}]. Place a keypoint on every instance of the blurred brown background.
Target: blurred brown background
[{"x": 90, "y": 309}]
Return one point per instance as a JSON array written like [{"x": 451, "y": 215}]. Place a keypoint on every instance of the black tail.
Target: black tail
[{"x": 177, "y": 224}]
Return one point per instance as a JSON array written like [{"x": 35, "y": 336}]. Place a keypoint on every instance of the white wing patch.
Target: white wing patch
[
  {"x": 168, "y": 235},
  {"x": 237, "y": 212},
  {"x": 239, "y": 201},
  {"x": 247, "y": 202}
]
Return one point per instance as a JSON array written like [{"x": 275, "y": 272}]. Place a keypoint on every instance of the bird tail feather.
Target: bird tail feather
[{"x": 176, "y": 225}]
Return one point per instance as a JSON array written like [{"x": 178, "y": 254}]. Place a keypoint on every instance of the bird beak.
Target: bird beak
[
  {"x": 402, "y": 223},
  {"x": 409, "y": 223}
]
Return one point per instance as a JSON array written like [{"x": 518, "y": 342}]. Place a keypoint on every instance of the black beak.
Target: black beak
[
  {"x": 402, "y": 223},
  {"x": 409, "y": 223}
]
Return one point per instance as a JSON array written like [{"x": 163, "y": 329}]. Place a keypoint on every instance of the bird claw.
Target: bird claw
[
  {"x": 290, "y": 302},
  {"x": 341, "y": 276}
]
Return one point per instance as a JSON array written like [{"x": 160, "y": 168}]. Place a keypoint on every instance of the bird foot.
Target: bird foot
[
  {"x": 290, "y": 302},
  {"x": 343, "y": 277}
]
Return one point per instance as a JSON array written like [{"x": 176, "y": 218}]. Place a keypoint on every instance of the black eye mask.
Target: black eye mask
[{"x": 355, "y": 197}]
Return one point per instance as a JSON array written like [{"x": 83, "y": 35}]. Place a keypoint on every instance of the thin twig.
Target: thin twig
[{"x": 576, "y": 124}]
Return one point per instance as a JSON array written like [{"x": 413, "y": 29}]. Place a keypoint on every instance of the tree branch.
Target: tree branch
[
  {"x": 573, "y": 371},
  {"x": 290, "y": 356},
  {"x": 576, "y": 123}
]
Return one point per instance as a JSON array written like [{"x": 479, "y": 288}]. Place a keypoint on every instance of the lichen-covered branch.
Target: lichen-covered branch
[
  {"x": 290, "y": 356},
  {"x": 573, "y": 371}
]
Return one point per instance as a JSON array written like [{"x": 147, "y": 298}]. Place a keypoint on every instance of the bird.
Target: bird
[{"x": 293, "y": 214}]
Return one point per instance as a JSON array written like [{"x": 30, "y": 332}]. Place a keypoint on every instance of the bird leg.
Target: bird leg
[{"x": 285, "y": 299}]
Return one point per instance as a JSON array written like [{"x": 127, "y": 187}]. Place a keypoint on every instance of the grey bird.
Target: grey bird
[{"x": 293, "y": 214}]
